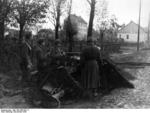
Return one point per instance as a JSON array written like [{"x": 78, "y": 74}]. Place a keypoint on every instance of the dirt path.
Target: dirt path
[
  {"x": 130, "y": 98},
  {"x": 11, "y": 93}
]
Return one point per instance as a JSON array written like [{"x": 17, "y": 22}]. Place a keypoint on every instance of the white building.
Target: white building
[
  {"x": 81, "y": 26},
  {"x": 129, "y": 33}
]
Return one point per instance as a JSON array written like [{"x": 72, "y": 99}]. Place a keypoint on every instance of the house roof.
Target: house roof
[
  {"x": 78, "y": 19},
  {"x": 132, "y": 28}
]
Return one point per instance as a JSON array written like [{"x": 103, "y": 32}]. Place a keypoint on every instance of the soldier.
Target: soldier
[
  {"x": 25, "y": 55},
  {"x": 90, "y": 68},
  {"x": 41, "y": 60},
  {"x": 57, "y": 51},
  {"x": 40, "y": 55},
  {"x": 57, "y": 54}
]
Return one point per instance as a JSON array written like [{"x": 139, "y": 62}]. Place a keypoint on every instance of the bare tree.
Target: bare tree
[
  {"x": 56, "y": 10},
  {"x": 101, "y": 14},
  {"x": 28, "y": 13},
  {"x": 102, "y": 20},
  {"x": 92, "y": 4}
]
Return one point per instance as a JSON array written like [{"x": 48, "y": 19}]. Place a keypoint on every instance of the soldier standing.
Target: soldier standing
[
  {"x": 90, "y": 68},
  {"x": 25, "y": 55},
  {"x": 56, "y": 53}
]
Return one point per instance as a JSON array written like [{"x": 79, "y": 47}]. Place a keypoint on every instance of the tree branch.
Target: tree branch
[
  {"x": 89, "y": 2},
  {"x": 52, "y": 20}
]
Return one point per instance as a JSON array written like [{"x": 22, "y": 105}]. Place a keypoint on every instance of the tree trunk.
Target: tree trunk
[
  {"x": 2, "y": 30},
  {"x": 56, "y": 32},
  {"x": 70, "y": 34},
  {"x": 57, "y": 25},
  {"x": 21, "y": 33},
  {"x": 102, "y": 40},
  {"x": 70, "y": 43},
  {"x": 92, "y": 13}
]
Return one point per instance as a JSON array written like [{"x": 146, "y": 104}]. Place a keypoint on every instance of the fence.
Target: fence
[{"x": 106, "y": 47}]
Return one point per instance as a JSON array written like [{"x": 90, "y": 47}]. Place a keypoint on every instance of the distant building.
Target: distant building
[
  {"x": 81, "y": 26},
  {"x": 11, "y": 33},
  {"x": 14, "y": 33},
  {"x": 129, "y": 33},
  {"x": 46, "y": 34}
]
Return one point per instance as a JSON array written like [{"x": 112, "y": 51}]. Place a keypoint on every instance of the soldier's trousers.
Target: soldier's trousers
[{"x": 25, "y": 71}]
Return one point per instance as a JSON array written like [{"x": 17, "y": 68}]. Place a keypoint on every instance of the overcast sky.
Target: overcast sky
[{"x": 124, "y": 10}]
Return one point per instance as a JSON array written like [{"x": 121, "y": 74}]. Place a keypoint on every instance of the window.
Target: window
[{"x": 127, "y": 36}]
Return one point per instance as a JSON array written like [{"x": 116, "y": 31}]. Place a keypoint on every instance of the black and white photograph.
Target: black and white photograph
[{"x": 74, "y": 54}]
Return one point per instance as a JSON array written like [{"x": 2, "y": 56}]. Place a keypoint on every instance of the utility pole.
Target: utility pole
[
  {"x": 138, "y": 38},
  {"x": 148, "y": 30}
]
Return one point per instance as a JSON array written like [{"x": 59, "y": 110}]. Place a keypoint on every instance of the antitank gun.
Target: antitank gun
[
  {"x": 57, "y": 82},
  {"x": 63, "y": 82}
]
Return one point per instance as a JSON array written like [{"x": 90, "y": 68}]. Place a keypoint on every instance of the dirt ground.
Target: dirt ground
[{"x": 11, "y": 95}]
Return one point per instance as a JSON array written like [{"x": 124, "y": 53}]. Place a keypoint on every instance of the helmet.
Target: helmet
[{"x": 57, "y": 41}]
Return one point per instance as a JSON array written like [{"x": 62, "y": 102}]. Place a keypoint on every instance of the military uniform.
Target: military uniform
[
  {"x": 25, "y": 54},
  {"x": 56, "y": 52},
  {"x": 90, "y": 68},
  {"x": 40, "y": 58}
]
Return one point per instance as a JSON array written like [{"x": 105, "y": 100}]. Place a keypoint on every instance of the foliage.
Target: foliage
[
  {"x": 6, "y": 6},
  {"x": 102, "y": 19},
  {"x": 106, "y": 26},
  {"x": 56, "y": 9},
  {"x": 98, "y": 15},
  {"x": 28, "y": 13}
]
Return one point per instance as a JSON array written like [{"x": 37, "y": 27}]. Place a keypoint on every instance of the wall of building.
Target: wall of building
[
  {"x": 82, "y": 31},
  {"x": 132, "y": 37}
]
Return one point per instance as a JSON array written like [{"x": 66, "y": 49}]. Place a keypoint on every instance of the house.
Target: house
[
  {"x": 147, "y": 30},
  {"x": 129, "y": 33},
  {"x": 45, "y": 34},
  {"x": 81, "y": 26}
]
